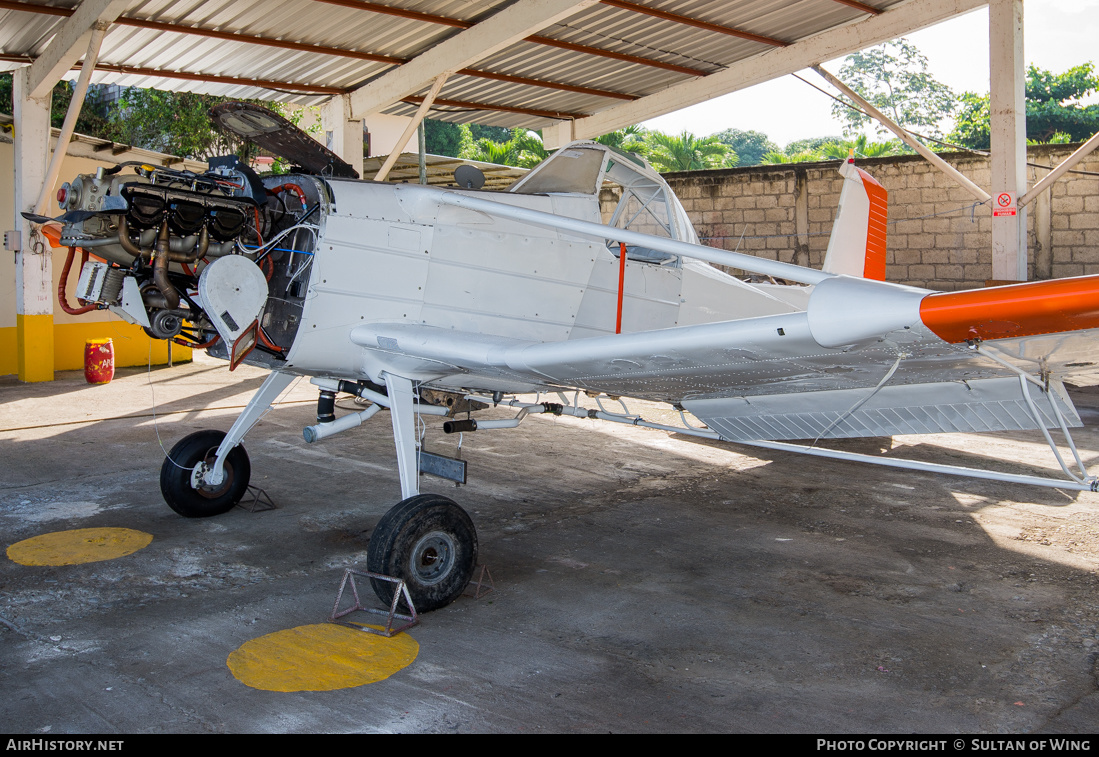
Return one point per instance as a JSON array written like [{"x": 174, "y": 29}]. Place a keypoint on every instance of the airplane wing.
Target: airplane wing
[{"x": 865, "y": 359}]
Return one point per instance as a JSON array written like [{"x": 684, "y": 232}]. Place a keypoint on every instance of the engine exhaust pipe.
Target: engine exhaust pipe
[
  {"x": 160, "y": 268},
  {"x": 343, "y": 423}
]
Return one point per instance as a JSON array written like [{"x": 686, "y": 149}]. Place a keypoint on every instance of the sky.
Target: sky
[{"x": 1058, "y": 34}]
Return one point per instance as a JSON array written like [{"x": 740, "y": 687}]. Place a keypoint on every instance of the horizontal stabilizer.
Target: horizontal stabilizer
[
  {"x": 941, "y": 407},
  {"x": 1015, "y": 310}
]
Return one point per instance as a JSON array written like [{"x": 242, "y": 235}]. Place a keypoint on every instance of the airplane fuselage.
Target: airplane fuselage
[{"x": 395, "y": 254}]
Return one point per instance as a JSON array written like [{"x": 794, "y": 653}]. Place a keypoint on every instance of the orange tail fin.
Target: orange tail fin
[{"x": 857, "y": 244}]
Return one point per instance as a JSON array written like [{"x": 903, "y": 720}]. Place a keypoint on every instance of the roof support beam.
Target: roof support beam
[
  {"x": 1063, "y": 167},
  {"x": 413, "y": 125},
  {"x": 548, "y": 41},
  {"x": 312, "y": 89},
  {"x": 905, "y": 137},
  {"x": 688, "y": 21},
  {"x": 49, "y": 10},
  {"x": 69, "y": 43},
  {"x": 507, "y": 27},
  {"x": 859, "y": 6},
  {"x": 69, "y": 125},
  {"x": 390, "y": 10},
  {"x": 553, "y": 114},
  {"x": 774, "y": 63}
]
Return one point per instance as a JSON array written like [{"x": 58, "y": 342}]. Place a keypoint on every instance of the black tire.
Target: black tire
[
  {"x": 175, "y": 476},
  {"x": 430, "y": 543}
]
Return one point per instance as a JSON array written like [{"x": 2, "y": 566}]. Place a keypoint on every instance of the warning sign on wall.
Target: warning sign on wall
[{"x": 1005, "y": 204}]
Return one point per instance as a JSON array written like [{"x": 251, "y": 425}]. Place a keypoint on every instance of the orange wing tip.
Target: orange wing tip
[{"x": 1016, "y": 310}]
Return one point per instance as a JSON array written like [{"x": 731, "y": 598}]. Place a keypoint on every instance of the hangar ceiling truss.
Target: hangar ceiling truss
[{"x": 600, "y": 64}]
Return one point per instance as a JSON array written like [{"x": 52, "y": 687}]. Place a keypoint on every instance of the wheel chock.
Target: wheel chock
[
  {"x": 349, "y": 580},
  {"x": 256, "y": 500},
  {"x": 479, "y": 586}
]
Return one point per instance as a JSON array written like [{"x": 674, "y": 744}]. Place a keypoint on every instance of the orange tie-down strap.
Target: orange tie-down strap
[{"x": 1038, "y": 307}]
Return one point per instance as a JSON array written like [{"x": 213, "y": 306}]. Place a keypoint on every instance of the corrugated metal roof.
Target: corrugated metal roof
[{"x": 248, "y": 68}]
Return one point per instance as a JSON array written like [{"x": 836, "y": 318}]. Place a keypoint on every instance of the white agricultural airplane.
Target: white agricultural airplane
[{"x": 430, "y": 301}]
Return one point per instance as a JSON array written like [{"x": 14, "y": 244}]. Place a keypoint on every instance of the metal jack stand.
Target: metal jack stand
[
  {"x": 480, "y": 588},
  {"x": 259, "y": 502},
  {"x": 402, "y": 590}
]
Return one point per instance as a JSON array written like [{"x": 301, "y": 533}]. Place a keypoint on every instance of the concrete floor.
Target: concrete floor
[{"x": 646, "y": 582}]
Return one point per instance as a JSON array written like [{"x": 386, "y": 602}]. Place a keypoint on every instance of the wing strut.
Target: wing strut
[{"x": 1076, "y": 483}]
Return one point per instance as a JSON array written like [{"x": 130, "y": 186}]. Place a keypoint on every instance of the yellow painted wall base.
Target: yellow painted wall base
[
  {"x": 33, "y": 347},
  {"x": 66, "y": 341}
]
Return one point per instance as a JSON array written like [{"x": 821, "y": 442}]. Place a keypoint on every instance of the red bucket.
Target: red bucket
[{"x": 99, "y": 361}]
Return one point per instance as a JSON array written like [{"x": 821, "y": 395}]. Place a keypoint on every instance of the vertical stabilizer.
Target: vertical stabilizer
[{"x": 857, "y": 244}]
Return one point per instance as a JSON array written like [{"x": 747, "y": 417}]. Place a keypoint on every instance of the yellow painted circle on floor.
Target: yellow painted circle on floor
[
  {"x": 78, "y": 546},
  {"x": 322, "y": 657}
]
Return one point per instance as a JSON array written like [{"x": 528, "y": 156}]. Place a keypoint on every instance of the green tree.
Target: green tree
[
  {"x": 92, "y": 120},
  {"x": 504, "y": 154},
  {"x": 811, "y": 145},
  {"x": 442, "y": 137},
  {"x": 529, "y": 148},
  {"x": 750, "y": 146},
  {"x": 630, "y": 139},
  {"x": 499, "y": 134},
  {"x": 803, "y": 156},
  {"x": 862, "y": 146},
  {"x": 177, "y": 123},
  {"x": 893, "y": 77},
  {"x": 686, "y": 152},
  {"x": 1053, "y": 107}
]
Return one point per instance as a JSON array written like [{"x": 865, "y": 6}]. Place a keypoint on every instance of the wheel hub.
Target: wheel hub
[
  {"x": 432, "y": 557},
  {"x": 202, "y": 486}
]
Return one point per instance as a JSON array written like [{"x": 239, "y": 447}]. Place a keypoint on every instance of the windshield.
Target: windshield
[{"x": 631, "y": 194}]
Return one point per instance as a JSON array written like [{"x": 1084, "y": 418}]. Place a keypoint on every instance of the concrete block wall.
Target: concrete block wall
[{"x": 939, "y": 237}]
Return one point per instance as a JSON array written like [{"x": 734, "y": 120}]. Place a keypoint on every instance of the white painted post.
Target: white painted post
[
  {"x": 346, "y": 132},
  {"x": 1008, "y": 139},
  {"x": 34, "y": 262}
]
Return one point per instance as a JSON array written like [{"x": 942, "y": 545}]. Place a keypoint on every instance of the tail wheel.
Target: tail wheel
[
  {"x": 430, "y": 543},
  {"x": 202, "y": 502}
]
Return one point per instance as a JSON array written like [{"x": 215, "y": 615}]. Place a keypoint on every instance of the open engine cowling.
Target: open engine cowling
[{"x": 153, "y": 233}]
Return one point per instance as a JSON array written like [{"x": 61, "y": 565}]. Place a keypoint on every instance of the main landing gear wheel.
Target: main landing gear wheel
[
  {"x": 175, "y": 476},
  {"x": 430, "y": 543}
]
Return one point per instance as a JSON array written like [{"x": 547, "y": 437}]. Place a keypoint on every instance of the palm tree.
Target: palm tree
[
  {"x": 501, "y": 153},
  {"x": 687, "y": 152},
  {"x": 862, "y": 146},
  {"x": 805, "y": 156},
  {"x": 630, "y": 139},
  {"x": 529, "y": 149}
]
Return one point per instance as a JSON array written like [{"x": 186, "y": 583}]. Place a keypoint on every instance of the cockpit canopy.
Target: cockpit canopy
[{"x": 646, "y": 204}]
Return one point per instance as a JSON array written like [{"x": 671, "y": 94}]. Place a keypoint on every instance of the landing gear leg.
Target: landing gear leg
[
  {"x": 403, "y": 415},
  {"x": 212, "y": 475},
  {"x": 426, "y": 540}
]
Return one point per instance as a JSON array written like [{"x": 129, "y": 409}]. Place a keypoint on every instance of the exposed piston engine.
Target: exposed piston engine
[{"x": 156, "y": 231}]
